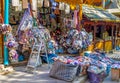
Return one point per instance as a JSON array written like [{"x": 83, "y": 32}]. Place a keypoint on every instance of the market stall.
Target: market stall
[
  {"x": 102, "y": 24},
  {"x": 65, "y": 27}
]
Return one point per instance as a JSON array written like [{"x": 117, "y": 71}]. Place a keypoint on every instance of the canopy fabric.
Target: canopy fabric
[
  {"x": 98, "y": 14},
  {"x": 73, "y": 2}
]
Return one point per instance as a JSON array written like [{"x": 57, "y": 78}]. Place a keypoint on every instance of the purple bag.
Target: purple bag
[
  {"x": 96, "y": 78},
  {"x": 93, "y": 78}
]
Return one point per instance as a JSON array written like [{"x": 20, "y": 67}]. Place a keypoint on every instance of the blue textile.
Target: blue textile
[{"x": 50, "y": 58}]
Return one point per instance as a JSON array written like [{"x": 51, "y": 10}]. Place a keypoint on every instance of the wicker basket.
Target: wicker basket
[{"x": 66, "y": 72}]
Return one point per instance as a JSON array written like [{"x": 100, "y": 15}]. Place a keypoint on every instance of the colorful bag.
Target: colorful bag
[
  {"x": 66, "y": 72},
  {"x": 96, "y": 78}
]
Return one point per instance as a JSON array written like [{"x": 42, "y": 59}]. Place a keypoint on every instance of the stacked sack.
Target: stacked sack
[{"x": 100, "y": 66}]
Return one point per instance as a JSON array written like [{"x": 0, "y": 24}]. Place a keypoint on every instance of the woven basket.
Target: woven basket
[{"x": 66, "y": 72}]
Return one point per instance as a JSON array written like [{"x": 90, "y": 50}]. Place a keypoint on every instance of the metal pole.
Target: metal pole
[{"x": 6, "y": 21}]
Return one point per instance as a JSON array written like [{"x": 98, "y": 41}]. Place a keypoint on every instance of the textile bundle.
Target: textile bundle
[{"x": 10, "y": 42}]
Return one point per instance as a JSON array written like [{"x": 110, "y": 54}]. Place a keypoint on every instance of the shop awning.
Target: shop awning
[{"x": 98, "y": 14}]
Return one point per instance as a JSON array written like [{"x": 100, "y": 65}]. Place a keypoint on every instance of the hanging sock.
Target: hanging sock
[
  {"x": 75, "y": 18},
  {"x": 40, "y": 3},
  {"x": 25, "y": 4},
  {"x": 15, "y": 2},
  {"x": 61, "y": 6},
  {"x": 46, "y": 3},
  {"x": 34, "y": 5},
  {"x": 67, "y": 9},
  {"x": 19, "y": 7}
]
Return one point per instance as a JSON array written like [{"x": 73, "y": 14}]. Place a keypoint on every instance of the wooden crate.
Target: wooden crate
[{"x": 115, "y": 74}]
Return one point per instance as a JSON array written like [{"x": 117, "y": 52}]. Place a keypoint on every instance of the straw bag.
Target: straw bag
[{"x": 66, "y": 72}]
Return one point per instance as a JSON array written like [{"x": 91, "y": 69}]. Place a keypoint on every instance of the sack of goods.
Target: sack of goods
[
  {"x": 68, "y": 68},
  {"x": 62, "y": 71}
]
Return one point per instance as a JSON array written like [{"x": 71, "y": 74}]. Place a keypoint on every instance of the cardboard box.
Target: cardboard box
[{"x": 115, "y": 74}]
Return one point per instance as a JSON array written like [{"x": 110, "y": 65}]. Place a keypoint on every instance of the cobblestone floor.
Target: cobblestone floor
[{"x": 41, "y": 76}]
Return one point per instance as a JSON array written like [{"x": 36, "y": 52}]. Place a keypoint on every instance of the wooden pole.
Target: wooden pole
[
  {"x": 94, "y": 35},
  {"x": 104, "y": 35},
  {"x": 112, "y": 37},
  {"x": 2, "y": 10},
  {"x": 116, "y": 31},
  {"x": 80, "y": 15}
]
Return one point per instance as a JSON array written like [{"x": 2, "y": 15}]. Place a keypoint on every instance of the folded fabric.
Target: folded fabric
[{"x": 95, "y": 69}]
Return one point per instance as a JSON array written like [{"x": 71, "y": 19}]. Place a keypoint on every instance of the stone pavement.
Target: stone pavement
[
  {"x": 41, "y": 76},
  {"x": 21, "y": 76}
]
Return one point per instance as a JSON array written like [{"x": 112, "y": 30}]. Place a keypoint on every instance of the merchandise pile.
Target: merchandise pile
[
  {"x": 72, "y": 41},
  {"x": 10, "y": 42},
  {"x": 96, "y": 65}
]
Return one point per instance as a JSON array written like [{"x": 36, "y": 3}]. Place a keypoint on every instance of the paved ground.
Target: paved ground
[
  {"x": 41, "y": 76},
  {"x": 21, "y": 76}
]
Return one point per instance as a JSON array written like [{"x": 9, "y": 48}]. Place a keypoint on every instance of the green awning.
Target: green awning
[{"x": 98, "y": 14}]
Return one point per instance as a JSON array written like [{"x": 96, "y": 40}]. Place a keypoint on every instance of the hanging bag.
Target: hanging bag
[
  {"x": 67, "y": 9},
  {"x": 15, "y": 2},
  {"x": 46, "y": 3},
  {"x": 40, "y": 3},
  {"x": 61, "y": 6},
  {"x": 25, "y": 4},
  {"x": 34, "y": 5}
]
